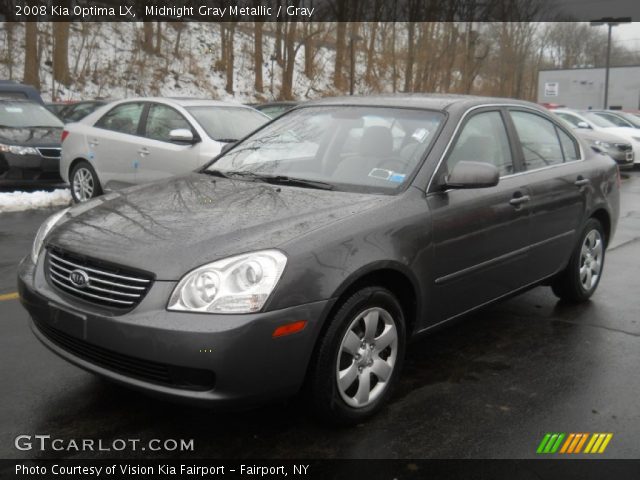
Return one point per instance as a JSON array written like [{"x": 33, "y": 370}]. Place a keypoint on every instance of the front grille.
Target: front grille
[
  {"x": 49, "y": 152},
  {"x": 155, "y": 372},
  {"x": 623, "y": 147},
  {"x": 106, "y": 284}
]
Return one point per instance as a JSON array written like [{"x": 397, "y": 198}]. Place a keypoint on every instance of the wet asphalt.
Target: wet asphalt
[{"x": 489, "y": 386}]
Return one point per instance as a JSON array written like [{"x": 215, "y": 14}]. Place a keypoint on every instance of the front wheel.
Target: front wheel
[
  {"x": 359, "y": 358},
  {"x": 84, "y": 182},
  {"x": 583, "y": 273}
]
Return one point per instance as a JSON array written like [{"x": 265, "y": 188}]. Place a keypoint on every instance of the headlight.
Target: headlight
[
  {"x": 44, "y": 229},
  {"x": 239, "y": 284},
  {"x": 18, "y": 150},
  {"x": 602, "y": 144}
]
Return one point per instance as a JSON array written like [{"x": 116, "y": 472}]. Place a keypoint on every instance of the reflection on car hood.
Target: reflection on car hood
[
  {"x": 174, "y": 226},
  {"x": 600, "y": 135},
  {"x": 39, "y": 136}
]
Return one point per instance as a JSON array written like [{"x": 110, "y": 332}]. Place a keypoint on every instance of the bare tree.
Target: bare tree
[
  {"x": 31, "y": 58},
  {"x": 61, "y": 52},
  {"x": 257, "y": 55}
]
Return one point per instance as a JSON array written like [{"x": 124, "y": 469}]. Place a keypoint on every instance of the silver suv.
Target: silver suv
[{"x": 141, "y": 140}]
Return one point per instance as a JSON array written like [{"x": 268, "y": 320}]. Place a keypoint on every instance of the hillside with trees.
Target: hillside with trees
[{"x": 257, "y": 61}]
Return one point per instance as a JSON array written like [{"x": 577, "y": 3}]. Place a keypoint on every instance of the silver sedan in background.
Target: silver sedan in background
[{"x": 146, "y": 139}]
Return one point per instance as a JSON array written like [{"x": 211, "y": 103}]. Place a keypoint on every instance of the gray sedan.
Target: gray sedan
[{"x": 308, "y": 254}]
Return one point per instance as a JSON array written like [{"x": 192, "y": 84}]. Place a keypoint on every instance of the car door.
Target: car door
[
  {"x": 113, "y": 144},
  {"x": 158, "y": 156},
  {"x": 480, "y": 235},
  {"x": 558, "y": 185}
]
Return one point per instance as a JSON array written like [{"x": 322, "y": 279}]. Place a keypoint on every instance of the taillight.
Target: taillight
[{"x": 64, "y": 135}]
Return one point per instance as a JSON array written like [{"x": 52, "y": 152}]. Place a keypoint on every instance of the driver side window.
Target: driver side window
[{"x": 483, "y": 139}]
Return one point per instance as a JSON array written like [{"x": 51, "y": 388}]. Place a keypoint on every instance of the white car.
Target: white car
[
  {"x": 141, "y": 140},
  {"x": 592, "y": 121}
]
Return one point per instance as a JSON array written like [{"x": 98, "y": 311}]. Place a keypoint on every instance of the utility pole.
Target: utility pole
[{"x": 610, "y": 22}]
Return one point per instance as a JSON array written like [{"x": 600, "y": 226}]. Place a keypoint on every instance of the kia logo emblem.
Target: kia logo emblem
[{"x": 79, "y": 278}]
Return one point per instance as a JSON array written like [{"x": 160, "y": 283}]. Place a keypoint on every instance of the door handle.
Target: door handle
[
  {"x": 581, "y": 182},
  {"x": 517, "y": 201},
  {"x": 93, "y": 143},
  {"x": 143, "y": 152}
]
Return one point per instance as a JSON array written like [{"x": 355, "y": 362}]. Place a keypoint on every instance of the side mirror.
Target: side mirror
[
  {"x": 584, "y": 125},
  {"x": 226, "y": 147},
  {"x": 181, "y": 135},
  {"x": 473, "y": 175}
]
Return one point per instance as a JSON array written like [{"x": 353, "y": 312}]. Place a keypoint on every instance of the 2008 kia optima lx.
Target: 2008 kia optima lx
[{"x": 311, "y": 251}]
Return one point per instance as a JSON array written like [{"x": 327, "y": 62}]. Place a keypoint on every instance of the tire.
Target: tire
[
  {"x": 348, "y": 350},
  {"x": 583, "y": 273},
  {"x": 84, "y": 182}
]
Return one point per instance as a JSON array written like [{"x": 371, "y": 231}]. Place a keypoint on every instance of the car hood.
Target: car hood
[
  {"x": 603, "y": 136},
  {"x": 629, "y": 134},
  {"x": 173, "y": 226},
  {"x": 31, "y": 136}
]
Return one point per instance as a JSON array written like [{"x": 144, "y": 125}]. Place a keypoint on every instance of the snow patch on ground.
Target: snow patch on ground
[{"x": 19, "y": 201}]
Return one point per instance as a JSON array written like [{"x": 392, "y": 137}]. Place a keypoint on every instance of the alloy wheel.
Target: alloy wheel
[
  {"x": 367, "y": 357},
  {"x": 83, "y": 184},
  {"x": 591, "y": 260}
]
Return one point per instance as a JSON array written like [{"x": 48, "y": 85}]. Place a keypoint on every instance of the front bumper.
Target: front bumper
[
  {"x": 623, "y": 158},
  {"x": 226, "y": 360},
  {"x": 29, "y": 167}
]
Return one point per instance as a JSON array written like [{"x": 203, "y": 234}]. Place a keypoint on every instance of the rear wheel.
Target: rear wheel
[
  {"x": 581, "y": 277},
  {"x": 84, "y": 182},
  {"x": 359, "y": 358}
]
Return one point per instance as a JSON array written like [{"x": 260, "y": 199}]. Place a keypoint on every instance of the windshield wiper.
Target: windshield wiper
[
  {"x": 298, "y": 182},
  {"x": 272, "y": 179}
]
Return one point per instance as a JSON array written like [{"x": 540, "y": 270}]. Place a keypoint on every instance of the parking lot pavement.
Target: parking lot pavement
[{"x": 489, "y": 386}]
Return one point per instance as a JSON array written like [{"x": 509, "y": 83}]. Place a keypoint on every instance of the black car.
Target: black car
[
  {"x": 78, "y": 110},
  {"x": 311, "y": 251},
  {"x": 29, "y": 142},
  {"x": 275, "y": 109}
]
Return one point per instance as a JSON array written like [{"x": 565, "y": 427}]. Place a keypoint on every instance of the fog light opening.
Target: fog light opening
[{"x": 289, "y": 328}]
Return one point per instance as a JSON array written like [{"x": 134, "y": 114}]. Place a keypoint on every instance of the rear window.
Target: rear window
[
  {"x": 26, "y": 114},
  {"x": 227, "y": 123}
]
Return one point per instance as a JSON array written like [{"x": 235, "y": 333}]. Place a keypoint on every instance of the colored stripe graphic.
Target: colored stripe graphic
[
  {"x": 572, "y": 443},
  {"x": 550, "y": 443}
]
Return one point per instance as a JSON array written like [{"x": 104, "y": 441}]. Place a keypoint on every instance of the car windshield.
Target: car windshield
[
  {"x": 363, "y": 149},
  {"x": 227, "y": 124},
  {"x": 598, "y": 120},
  {"x": 25, "y": 114},
  {"x": 571, "y": 120}
]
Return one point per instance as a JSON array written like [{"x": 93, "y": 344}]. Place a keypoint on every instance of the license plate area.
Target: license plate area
[{"x": 68, "y": 322}]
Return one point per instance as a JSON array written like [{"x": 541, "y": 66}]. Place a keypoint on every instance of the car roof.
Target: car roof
[
  {"x": 189, "y": 102},
  {"x": 431, "y": 101}
]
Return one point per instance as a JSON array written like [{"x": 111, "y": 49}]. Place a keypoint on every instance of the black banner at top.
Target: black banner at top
[{"x": 317, "y": 10}]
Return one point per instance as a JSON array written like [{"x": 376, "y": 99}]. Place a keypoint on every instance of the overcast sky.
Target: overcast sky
[{"x": 628, "y": 34}]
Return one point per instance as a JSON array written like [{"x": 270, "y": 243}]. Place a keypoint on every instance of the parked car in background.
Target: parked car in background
[
  {"x": 11, "y": 89},
  {"x": 616, "y": 147},
  {"x": 75, "y": 111},
  {"x": 589, "y": 121},
  {"x": 298, "y": 257},
  {"x": 56, "y": 107},
  {"x": 29, "y": 142},
  {"x": 619, "y": 118},
  {"x": 275, "y": 109},
  {"x": 142, "y": 140}
]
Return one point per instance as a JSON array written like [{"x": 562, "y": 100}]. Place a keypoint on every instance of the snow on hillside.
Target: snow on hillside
[{"x": 116, "y": 67}]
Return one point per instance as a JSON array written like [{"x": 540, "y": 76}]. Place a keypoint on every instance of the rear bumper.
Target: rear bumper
[{"x": 222, "y": 360}]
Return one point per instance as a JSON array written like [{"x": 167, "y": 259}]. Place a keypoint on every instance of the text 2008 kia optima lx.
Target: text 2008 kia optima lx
[{"x": 311, "y": 251}]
